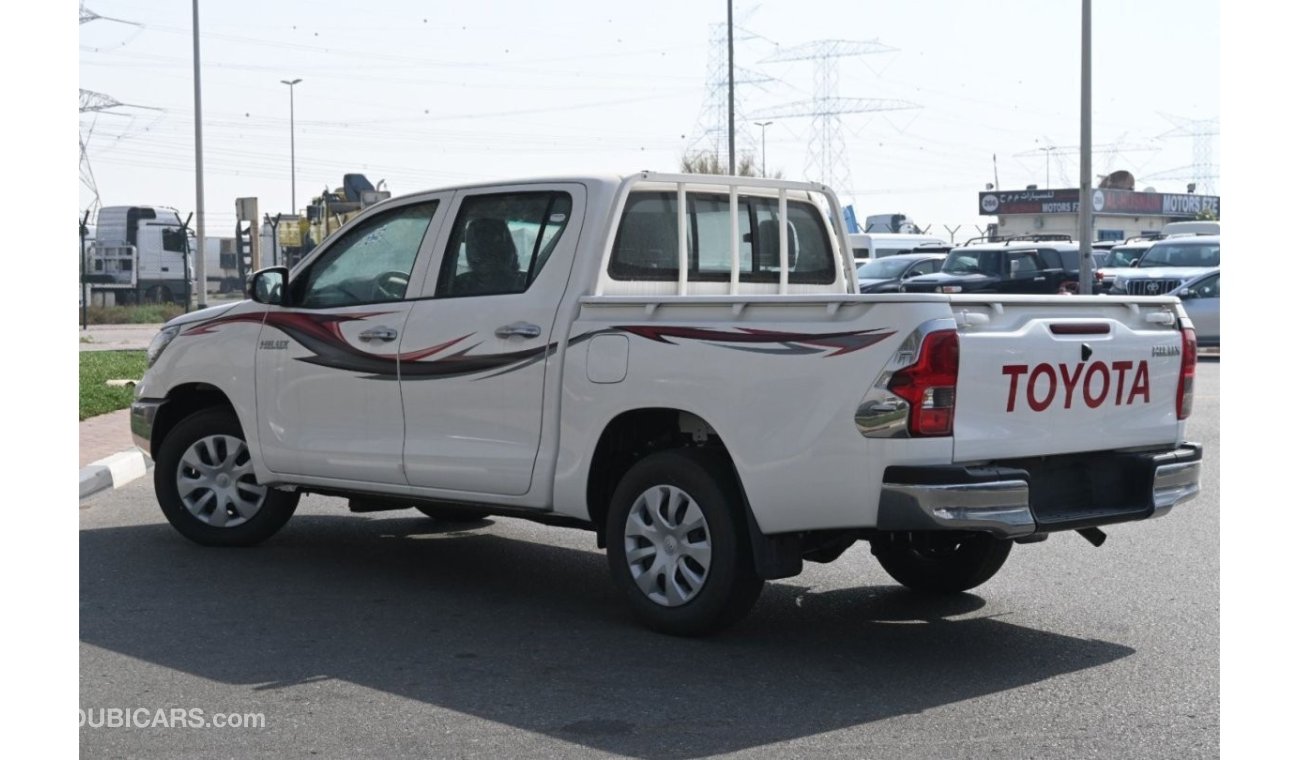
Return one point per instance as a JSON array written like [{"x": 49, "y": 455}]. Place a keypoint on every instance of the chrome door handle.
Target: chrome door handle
[
  {"x": 521, "y": 329},
  {"x": 379, "y": 333}
]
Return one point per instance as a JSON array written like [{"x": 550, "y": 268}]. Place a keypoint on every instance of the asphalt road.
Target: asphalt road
[{"x": 391, "y": 636}]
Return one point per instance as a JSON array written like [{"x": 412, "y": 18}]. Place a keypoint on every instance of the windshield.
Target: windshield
[
  {"x": 882, "y": 269},
  {"x": 1122, "y": 257},
  {"x": 1182, "y": 255}
]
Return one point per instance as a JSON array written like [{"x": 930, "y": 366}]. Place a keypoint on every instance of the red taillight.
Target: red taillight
[
  {"x": 929, "y": 385},
  {"x": 1187, "y": 378}
]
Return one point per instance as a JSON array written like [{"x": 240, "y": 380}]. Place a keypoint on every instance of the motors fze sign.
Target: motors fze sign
[{"x": 1116, "y": 202}]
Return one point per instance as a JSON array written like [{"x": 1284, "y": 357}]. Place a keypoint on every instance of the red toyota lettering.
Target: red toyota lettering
[
  {"x": 1036, "y": 404},
  {"x": 1015, "y": 371},
  {"x": 1141, "y": 384},
  {"x": 1121, "y": 368},
  {"x": 1070, "y": 381}
]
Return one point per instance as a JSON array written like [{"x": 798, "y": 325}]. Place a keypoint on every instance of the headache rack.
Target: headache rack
[{"x": 734, "y": 188}]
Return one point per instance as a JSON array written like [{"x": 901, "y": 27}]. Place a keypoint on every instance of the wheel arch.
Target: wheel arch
[
  {"x": 182, "y": 401},
  {"x": 634, "y": 433}
]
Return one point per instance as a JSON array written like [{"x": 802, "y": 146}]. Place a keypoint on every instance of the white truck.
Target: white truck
[
  {"x": 139, "y": 254},
  {"x": 681, "y": 364}
]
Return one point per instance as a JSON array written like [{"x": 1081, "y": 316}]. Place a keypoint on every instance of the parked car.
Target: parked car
[
  {"x": 1167, "y": 264},
  {"x": 1200, "y": 297},
  {"x": 887, "y": 275},
  {"x": 1007, "y": 267},
  {"x": 1110, "y": 263}
]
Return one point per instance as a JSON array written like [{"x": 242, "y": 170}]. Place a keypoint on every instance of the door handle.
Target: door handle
[
  {"x": 379, "y": 333},
  {"x": 521, "y": 329}
]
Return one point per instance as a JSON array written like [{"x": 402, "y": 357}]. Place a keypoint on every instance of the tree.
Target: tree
[{"x": 705, "y": 162}]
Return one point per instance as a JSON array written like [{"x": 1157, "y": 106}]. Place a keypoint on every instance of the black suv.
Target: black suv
[{"x": 1012, "y": 266}]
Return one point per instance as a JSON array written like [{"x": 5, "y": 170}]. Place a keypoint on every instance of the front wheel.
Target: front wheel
[
  {"x": 941, "y": 562},
  {"x": 677, "y": 544},
  {"x": 204, "y": 482}
]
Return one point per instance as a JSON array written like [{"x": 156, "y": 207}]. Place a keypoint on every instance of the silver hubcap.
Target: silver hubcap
[
  {"x": 666, "y": 541},
  {"x": 216, "y": 482}
]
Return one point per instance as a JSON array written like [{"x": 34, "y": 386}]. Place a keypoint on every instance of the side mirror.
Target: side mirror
[
  {"x": 1133, "y": 263},
  {"x": 1186, "y": 293},
  {"x": 267, "y": 285}
]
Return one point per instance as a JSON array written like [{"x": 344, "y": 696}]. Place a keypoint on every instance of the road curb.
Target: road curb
[{"x": 113, "y": 471}]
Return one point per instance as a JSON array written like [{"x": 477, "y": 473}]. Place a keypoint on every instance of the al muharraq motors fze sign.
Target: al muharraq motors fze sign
[{"x": 1114, "y": 202}]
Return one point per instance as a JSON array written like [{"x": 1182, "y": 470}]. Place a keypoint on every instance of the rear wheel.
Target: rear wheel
[
  {"x": 204, "y": 482},
  {"x": 939, "y": 561},
  {"x": 677, "y": 545}
]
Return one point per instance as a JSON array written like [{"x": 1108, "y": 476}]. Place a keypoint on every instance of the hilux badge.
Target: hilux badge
[{"x": 1172, "y": 350}]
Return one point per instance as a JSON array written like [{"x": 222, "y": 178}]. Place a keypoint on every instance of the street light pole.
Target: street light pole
[
  {"x": 1085, "y": 156},
  {"x": 762, "y": 126},
  {"x": 200, "y": 261},
  {"x": 731, "y": 96},
  {"x": 293, "y": 168}
]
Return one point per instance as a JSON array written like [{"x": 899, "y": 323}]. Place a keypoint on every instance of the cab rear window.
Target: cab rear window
[{"x": 646, "y": 246}]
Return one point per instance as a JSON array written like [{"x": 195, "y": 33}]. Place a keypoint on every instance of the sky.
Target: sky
[{"x": 424, "y": 95}]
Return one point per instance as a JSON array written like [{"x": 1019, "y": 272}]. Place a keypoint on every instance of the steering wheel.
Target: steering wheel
[{"x": 390, "y": 286}]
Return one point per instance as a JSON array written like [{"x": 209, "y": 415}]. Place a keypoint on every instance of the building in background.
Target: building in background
[{"x": 1117, "y": 214}]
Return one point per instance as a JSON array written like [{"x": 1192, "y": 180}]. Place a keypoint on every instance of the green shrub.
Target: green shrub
[{"x": 145, "y": 314}]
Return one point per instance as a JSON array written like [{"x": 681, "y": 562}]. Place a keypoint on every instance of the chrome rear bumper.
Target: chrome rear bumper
[{"x": 1016, "y": 499}]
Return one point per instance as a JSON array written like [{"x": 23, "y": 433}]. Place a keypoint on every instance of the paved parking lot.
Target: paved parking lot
[{"x": 392, "y": 635}]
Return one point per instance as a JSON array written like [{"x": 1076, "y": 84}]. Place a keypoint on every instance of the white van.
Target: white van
[{"x": 875, "y": 245}]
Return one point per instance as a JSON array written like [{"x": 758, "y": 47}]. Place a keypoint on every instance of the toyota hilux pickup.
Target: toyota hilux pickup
[{"x": 680, "y": 364}]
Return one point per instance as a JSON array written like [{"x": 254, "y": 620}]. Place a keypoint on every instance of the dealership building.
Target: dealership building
[{"x": 1117, "y": 214}]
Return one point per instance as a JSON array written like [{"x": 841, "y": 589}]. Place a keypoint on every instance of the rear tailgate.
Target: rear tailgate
[{"x": 1041, "y": 376}]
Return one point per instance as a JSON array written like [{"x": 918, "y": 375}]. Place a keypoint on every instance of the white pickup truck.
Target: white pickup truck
[{"x": 681, "y": 364}]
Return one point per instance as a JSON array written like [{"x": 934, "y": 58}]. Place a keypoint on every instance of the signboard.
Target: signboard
[
  {"x": 246, "y": 209},
  {"x": 850, "y": 219},
  {"x": 1104, "y": 202}
]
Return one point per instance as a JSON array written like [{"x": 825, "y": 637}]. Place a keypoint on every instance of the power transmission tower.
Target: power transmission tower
[
  {"x": 89, "y": 15},
  {"x": 710, "y": 136},
  {"x": 827, "y": 157},
  {"x": 96, "y": 103},
  {"x": 93, "y": 102},
  {"x": 1203, "y": 170}
]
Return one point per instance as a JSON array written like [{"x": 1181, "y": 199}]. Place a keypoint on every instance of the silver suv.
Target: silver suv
[{"x": 1167, "y": 264}]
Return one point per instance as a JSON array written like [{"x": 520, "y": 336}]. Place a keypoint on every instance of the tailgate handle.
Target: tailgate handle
[{"x": 1081, "y": 328}]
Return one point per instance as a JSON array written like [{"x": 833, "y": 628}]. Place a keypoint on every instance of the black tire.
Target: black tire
[
  {"x": 729, "y": 587},
  {"x": 941, "y": 562},
  {"x": 159, "y": 294},
  {"x": 169, "y": 468},
  {"x": 454, "y": 514}
]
